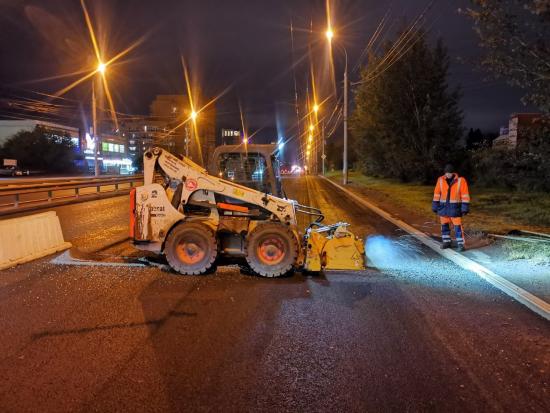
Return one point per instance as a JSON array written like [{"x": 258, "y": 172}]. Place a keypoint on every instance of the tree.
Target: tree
[
  {"x": 515, "y": 35},
  {"x": 407, "y": 122},
  {"x": 474, "y": 139},
  {"x": 41, "y": 150}
]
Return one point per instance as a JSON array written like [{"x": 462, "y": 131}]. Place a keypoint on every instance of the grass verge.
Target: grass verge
[{"x": 492, "y": 210}]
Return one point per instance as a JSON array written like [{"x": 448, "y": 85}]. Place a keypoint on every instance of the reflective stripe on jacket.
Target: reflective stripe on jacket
[{"x": 451, "y": 200}]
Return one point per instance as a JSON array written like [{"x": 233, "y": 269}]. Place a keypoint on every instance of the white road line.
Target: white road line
[{"x": 531, "y": 301}]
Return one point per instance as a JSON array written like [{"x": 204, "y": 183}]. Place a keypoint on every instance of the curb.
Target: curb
[{"x": 529, "y": 300}]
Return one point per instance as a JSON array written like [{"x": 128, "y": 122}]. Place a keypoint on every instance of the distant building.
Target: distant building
[
  {"x": 8, "y": 128},
  {"x": 143, "y": 133},
  {"x": 174, "y": 112},
  {"x": 230, "y": 136},
  {"x": 516, "y": 133},
  {"x": 112, "y": 153}
]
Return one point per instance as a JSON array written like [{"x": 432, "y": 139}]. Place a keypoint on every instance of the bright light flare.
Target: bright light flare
[
  {"x": 194, "y": 115},
  {"x": 316, "y": 108},
  {"x": 101, "y": 67},
  {"x": 311, "y": 127},
  {"x": 329, "y": 34}
]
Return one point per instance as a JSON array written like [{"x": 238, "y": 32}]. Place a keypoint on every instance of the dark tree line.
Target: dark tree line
[
  {"x": 41, "y": 150},
  {"x": 407, "y": 122}
]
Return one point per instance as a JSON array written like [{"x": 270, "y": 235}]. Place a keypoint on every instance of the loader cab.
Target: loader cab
[{"x": 254, "y": 166}]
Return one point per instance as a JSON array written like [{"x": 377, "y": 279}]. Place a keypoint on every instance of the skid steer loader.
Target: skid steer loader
[{"x": 198, "y": 220}]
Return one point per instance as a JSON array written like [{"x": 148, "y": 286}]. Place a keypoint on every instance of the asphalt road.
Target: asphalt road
[{"x": 412, "y": 333}]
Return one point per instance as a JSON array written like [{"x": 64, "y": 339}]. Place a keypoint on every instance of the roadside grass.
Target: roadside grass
[
  {"x": 493, "y": 210},
  {"x": 536, "y": 253}
]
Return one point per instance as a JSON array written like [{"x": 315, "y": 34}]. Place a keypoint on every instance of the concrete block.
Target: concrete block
[{"x": 30, "y": 237}]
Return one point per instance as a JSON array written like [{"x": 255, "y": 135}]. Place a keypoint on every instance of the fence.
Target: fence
[{"x": 27, "y": 197}]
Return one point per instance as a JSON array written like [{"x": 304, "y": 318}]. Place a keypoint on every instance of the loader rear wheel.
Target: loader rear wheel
[
  {"x": 271, "y": 249},
  {"x": 191, "y": 248}
]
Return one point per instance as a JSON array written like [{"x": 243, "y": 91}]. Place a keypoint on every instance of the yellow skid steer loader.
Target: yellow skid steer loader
[{"x": 197, "y": 220}]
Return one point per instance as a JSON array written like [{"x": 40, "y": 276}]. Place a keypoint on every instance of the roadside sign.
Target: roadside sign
[
  {"x": 323, "y": 156},
  {"x": 10, "y": 162}
]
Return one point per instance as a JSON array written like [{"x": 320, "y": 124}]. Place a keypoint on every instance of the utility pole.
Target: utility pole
[{"x": 345, "y": 155}]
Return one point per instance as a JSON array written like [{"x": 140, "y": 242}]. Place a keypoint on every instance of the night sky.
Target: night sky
[{"x": 242, "y": 44}]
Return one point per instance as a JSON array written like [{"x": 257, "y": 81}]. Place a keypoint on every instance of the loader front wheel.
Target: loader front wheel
[
  {"x": 191, "y": 248},
  {"x": 271, "y": 249}
]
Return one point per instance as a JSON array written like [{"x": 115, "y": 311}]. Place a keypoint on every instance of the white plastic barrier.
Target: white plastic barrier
[{"x": 30, "y": 237}]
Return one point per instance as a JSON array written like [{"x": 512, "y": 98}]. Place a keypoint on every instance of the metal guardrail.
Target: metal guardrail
[{"x": 25, "y": 197}]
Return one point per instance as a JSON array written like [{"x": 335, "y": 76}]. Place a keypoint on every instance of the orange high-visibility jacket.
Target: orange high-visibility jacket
[{"x": 451, "y": 200}]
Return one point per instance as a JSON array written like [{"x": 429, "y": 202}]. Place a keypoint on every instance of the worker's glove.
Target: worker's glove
[{"x": 435, "y": 207}]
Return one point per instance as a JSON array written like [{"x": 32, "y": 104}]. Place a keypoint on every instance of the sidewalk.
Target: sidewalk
[{"x": 526, "y": 265}]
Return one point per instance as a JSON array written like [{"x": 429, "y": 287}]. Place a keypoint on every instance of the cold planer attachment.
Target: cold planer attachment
[
  {"x": 199, "y": 220},
  {"x": 333, "y": 247}
]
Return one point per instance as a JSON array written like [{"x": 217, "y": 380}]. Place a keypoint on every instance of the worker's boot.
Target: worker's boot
[
  {"x": 461, "y": 248},
  {"x": 445, "y": 245}
]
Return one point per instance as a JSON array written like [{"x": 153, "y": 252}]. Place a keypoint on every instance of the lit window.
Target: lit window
[{"x": 111, "y": 147}]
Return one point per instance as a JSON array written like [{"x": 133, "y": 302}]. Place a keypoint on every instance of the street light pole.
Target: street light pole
[
  {"x": 323, "y": 156},
  {"x": 345, "y": 155},
  {"x": 186, "y": 140},
  {"x": 329, "y": 34},
  {"x": 94, "y": 127}
]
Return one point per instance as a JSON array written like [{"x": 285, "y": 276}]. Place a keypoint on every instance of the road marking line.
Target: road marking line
[{"x": 531, "y": 301}]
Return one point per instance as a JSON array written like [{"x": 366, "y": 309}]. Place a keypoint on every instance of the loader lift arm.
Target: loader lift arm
[{"x": 193, "y": 178}]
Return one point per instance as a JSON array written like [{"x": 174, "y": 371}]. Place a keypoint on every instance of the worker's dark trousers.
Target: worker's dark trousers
[{"x": 446, "y": 229}]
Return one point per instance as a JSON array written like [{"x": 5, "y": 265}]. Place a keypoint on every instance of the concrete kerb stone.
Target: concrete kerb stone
[{"x": 531, "y": 301}]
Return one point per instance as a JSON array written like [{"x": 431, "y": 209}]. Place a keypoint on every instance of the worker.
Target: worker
[{"x": 451, "y": 202}]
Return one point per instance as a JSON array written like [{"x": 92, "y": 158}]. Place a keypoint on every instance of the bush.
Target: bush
[{"x": 527, "y": 169}]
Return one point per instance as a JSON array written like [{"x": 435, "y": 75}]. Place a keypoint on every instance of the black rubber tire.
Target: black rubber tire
[
  {"x": 279, "y": 244},
  {"x": 191, "y": 248}
]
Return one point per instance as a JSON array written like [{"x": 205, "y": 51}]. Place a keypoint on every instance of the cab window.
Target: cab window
[{"x": 248, "y": 169}]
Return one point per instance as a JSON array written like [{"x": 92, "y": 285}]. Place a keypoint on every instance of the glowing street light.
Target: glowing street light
[
  {"x": 101, "y": 67},
  {"x": 194, "y": 115},
  {"x": 316, "y": 108},
  {"x": 311, "y": 127},
  {"x": 330, "y": 34}
]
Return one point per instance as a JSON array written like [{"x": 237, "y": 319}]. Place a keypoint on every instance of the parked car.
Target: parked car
[{"x": 13, "y": 171}]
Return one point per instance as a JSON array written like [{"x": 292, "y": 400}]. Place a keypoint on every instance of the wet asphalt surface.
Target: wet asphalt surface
[{"x": 412, "y": 333}]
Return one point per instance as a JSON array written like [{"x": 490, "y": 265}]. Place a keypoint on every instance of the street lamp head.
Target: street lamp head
[
  {"x": 330, "y": 34},
  {"x": 194, "y": 115},
  {"x": 101, "y": 67}
]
